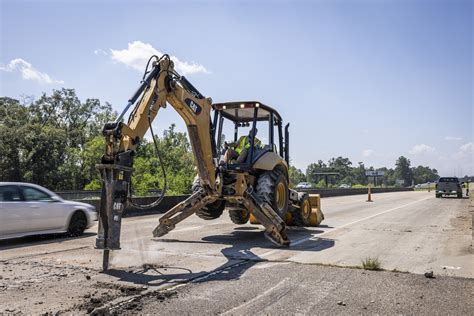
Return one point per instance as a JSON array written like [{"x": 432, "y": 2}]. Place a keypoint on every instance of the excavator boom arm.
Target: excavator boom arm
[{"x": 161, "y": 86}]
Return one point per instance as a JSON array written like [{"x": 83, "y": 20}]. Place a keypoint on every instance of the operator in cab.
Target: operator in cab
[{"x": 239, "y": 149}]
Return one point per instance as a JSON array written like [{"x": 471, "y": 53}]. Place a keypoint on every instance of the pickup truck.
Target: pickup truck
[{"x": 448, "y": 186}]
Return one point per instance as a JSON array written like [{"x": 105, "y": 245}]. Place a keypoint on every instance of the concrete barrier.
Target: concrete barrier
[
  {"x": 352, "y": 191},
  {"x": 130, "y": 211},
  {"x": 170, "y": 201}
]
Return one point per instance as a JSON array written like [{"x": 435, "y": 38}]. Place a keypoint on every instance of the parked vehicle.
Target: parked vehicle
[
  {"x": 304, "y": 185},
  {"x": 448, "y": 186},
  {"x": 344, "y": 186},
  {"x": 29, "y": 209}
]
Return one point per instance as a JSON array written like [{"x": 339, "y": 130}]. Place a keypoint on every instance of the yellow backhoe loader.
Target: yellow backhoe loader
[{"x": 252, "y": 188}]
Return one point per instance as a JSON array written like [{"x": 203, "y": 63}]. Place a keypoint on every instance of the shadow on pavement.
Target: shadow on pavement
[
  {"x": 239, "y": 257},
  {"x": 29, "y": 241},
  {"x": 325, "y": 226}
]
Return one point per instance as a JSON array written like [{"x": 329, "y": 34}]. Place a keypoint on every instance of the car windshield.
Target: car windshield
[{"x": 448, "y": 180}]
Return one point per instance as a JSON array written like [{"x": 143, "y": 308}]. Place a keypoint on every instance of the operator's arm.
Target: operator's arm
[{"x": 234, "y": 144}]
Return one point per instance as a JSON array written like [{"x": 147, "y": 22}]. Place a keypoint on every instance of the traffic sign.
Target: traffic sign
[{"x": 374, "y": 173}]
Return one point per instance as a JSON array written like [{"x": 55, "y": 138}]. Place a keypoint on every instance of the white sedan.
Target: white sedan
[
  {"x": 29, "y": 209},
  {"x": 304, "y": 185}
]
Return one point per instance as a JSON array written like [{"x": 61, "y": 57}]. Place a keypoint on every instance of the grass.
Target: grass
[{"x": 371, "y": 264}]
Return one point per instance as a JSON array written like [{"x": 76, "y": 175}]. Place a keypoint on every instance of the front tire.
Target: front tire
[
  {"x": 77, "y": 224},
  {"x": 239, "y": 216},
  {"x": 210, "y": 211},
  {"x": 273, "y": 187},
  {"x": 302, "y": 215}
]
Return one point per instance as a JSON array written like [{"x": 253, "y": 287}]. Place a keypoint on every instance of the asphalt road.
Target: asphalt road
[{"x": 217, "y": 267}]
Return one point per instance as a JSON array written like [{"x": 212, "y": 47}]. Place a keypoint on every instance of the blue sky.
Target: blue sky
[{"x": 368, "y": 80}]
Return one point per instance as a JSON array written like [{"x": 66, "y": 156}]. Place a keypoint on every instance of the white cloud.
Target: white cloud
[
  {"x": 28, "y": 72},
  {"x": 421, "y": 149},
  {"x": 137, "y": 54},
  {"x": 100, "y": 52},
  {"x": 452, "y": 138},
  {"x": 467, "y": 149},
  {"x": 367, "y": 152}
]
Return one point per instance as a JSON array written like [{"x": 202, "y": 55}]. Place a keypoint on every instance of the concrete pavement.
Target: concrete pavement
[{"x": 406, "y": 231}]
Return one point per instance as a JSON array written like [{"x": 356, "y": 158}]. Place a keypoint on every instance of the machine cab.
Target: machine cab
[{"x": 235, "y": 119}]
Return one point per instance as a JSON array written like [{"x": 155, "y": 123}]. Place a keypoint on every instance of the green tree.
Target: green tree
[
  {"x": 358, "y": 174},
  {"x": 92, "y": 154},
  {"x": 343, "y": 166},
  {"x": 422, "y": 174},
  {"x": 311, "y": 171},
  {"x": 13, "y": 118},
  {"x": 296, "y": 176},
  {"x": 178, "y": 161},
  {"x": 403, "y": 170},
  {"x": 44, "y": 141},
  {"x": 44, "y": 153}
]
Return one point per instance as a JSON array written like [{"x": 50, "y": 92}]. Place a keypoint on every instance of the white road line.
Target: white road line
[{"x": 302, "y": 240}]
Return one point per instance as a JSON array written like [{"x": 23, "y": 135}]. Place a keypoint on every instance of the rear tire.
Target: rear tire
[
  {"x": 273, "y": 187},
  {"x": 460, "y": 195},
  {"x": 77, "y": 224},
  {"x": 239, "y": 216},
  {"x": 210, "y": 211}
]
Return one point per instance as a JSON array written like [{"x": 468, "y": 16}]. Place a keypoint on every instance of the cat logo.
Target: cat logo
[{"x": 193, "y": 106}]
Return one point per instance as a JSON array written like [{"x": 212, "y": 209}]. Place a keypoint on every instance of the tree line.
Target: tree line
[
  {"x": 56, "y": 141},
  {"x": 346, "y": 173}
]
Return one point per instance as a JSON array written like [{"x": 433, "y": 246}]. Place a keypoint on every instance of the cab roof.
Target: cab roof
[{"x": 243, "y": 111}]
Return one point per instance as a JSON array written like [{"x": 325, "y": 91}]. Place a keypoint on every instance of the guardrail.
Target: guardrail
[
  {"x": 90, "y": 194},
  {"x": 351, "y": 191},
  {"x": 130, "y": 211},
  {"x": 170, "y": 201}
]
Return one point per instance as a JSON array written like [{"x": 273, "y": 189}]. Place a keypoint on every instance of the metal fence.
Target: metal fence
[{"x": 352, "y": 191}]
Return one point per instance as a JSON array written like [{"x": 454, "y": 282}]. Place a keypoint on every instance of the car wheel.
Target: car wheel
[{"x": 77, "y": 225}]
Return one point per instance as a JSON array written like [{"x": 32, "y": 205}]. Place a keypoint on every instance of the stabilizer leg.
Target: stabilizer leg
[
  {"x": 182, "y": 211},
  {"x": 275, "y": 229}
]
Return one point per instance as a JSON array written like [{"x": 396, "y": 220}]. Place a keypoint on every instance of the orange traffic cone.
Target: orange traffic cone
[{"x": 369, "y": 198}]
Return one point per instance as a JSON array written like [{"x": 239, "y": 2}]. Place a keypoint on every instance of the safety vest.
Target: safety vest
[{"x": 245, "y": 144}]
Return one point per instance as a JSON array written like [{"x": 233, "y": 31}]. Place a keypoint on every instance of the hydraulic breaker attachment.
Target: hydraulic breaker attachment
[
  {"x": 275, "y": 229},
  {"x": 115, "y": 181},
  {"x": 182, "y": 211}
]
